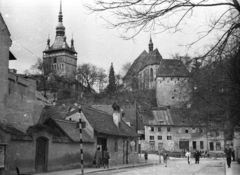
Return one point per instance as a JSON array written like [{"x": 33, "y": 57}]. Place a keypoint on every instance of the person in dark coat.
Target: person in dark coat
[
  {"x": 228, "y": 152},
  {"x": 233, "y": 155},
  {"x": 98, "y": 157},
  {"x": 146, "y": 156},
  {"x": 197, "y": 155},
  {"x": 106, "y": 158}
]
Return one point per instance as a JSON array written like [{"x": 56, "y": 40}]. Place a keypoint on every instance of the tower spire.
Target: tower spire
[
  {"x": 150, "y": 45},
  {"x": 60, "y": 29}
]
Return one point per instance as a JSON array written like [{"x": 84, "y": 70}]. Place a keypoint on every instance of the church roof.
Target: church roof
[
  {"x": 137, "y": 64},
  {"x": 172, "y": 68},
  {"x": 153, "y": 57}
]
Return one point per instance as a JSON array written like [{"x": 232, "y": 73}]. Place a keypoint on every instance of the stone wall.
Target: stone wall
[
  {"x": 22, "y": 109},
  {"x": 172, "y": 91}
]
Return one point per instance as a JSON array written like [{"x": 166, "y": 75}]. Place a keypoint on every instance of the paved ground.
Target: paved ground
[{"x": 175, "y": 167}]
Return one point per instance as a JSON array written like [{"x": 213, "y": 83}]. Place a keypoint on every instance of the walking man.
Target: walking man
[
  {"x": 165, "y": 158},
  {"x": 106, "y": 158},
  {"x": 228, "y": 153},
  {"x": 188, "y": 155}
]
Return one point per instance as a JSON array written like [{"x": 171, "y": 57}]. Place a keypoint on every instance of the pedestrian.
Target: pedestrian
[
  {"x": 233, "y": 154},
  {"x": 197, "y": 155},
  {"x": 106, "y": 158},
  {"x": 98, "y": 157},
  {"x": 146, "y": 156},
  {"x": 188, "y": 155},
  {"x": 228, "y": 153},
  {"x": 165, "y": 158}
]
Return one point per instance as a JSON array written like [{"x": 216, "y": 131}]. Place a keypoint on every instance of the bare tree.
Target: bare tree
[
  {"x": 134, "y": 16},
  {"x": 88, "y": 74},
  {"x": 47, "y": 77}
]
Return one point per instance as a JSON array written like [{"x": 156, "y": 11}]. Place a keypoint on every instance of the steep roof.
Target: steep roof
[
  {"x": 70, "y": 128},
  {"x": 1, "y": 18},
  {"x": 176, "y": 117},
  {"x": 153, "y": 57},
  {"x": 15, "y": 133},
  {"x": 55, "y": 112},
  {"x": 103, "y": 123},
  {"x": 137, "y": 64},
  {"x": 172, "y": 68},
  {"x": 105, "y": 108}
]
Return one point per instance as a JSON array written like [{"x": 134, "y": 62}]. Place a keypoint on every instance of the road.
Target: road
[{"x": 175, "y": 167}]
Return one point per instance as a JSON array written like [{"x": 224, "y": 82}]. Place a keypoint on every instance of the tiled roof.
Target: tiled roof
[
  {"x": 103, "y": 123},
  {"x": 137, "y": 64},
  {"x": 154, "y": 57},
  {"x": 176, "y": 117},
  {"x": 172, "y": 68},
  {"x": 129, "y": 114},
  {"x": 105, "y": 108},
  {"x": 55, "y": 112},
  {"x": 70, "y": 128}
]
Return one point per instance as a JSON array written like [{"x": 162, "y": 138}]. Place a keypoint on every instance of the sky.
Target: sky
[{"x": 31, "y": 21}]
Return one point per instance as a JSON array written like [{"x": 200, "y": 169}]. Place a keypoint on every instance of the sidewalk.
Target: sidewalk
[
  {"x": 92, "y": 170},
  {"x": 234, "y": 170}
]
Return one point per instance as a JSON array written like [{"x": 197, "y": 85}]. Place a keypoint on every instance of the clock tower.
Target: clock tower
[{"x": 59, "y": 57}]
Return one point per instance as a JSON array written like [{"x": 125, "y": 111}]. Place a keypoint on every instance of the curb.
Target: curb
[{"x": 111, "y": 169}]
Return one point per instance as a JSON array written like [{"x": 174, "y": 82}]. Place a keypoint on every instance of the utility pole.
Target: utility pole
[{"x": 81, "y": 142}]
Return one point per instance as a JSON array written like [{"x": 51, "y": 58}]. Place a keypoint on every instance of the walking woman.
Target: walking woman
[
  {"x": 188, "y": 155},
  {"x": 98, "y": 157}
]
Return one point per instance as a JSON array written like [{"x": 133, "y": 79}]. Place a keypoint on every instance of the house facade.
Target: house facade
[{"x": 170, "y": 130}]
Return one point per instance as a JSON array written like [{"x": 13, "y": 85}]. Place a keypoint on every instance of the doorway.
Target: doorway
[
  {"x": 125, "y": 151},
  {"x": 41, "y": 154},
  {"x": 194, "y": 143},
  {"x": 102, "y": 143}
]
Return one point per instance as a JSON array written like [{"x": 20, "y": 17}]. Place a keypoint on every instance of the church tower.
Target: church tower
[{"x": 60, "y": 58}]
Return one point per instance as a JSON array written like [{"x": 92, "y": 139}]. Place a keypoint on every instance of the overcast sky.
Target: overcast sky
[{"x": 30, "y": 22}]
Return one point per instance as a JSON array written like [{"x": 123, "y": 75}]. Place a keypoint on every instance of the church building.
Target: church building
[{"x": 169, "y": 77}]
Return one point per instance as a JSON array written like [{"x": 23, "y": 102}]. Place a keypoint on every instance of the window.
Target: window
[
  {"x": 168, "y": 129},
  {"x": 151, "y": 74},
  {"x": 159, "y": 137},
  {"x": 218, "y": 146},
  {"x": 151, "y": 138},
  {"x": 160, "y": 146},
  {"x": 152, "y": 129},
  {"x": 159, "y": 129},
  {"x": 169, "y": 137},
  {"x": 211, "y": 146},
  {"x": 186, "y": 131},
  {"x": 54, "y": 60},
  {"x": 201, "y": 145},
  {"x": 116, "y": 145},
  {"x": 152, "y": 145},
  {"x": 11, "y": 86},
  {"x": 217, "y": 134}
]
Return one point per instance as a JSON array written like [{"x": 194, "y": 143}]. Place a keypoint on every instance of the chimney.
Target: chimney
[
  {"x": 116, "y": 114},
  {"x": 13, "y": 71}
]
